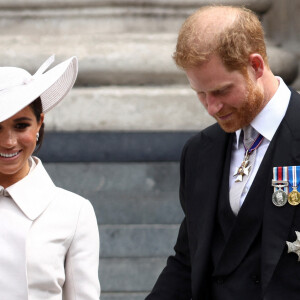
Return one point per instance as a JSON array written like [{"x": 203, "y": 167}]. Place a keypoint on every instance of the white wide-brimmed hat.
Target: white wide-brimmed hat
[{"x": 18, "y": 88}]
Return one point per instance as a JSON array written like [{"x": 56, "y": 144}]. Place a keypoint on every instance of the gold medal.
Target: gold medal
[{"x": 294, "y": 197}]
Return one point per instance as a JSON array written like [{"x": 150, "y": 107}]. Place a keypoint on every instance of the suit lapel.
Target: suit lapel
[
  {"x": 226, "y": 216},
  {"x": 207, "y": 179},
  {"x": 278, "y": 220},
  {"x": 204, "y": 172}
]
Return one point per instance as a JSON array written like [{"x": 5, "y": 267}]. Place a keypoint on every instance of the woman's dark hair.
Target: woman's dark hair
[{"x": 37, "y": 109}]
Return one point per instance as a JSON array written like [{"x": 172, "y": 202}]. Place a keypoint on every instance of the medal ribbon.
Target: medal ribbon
[
  {"x": 294, "y": 177},
  {"x": 255, "y": 144},
  {"x": 281, "y": 174}
]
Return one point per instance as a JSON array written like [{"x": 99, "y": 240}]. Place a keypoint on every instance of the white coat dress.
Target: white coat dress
[{"x": 49, "y": 242}]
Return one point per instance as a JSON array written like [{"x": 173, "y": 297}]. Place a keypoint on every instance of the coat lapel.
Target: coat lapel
[
  {"x": 203, "y": 175},
  {"x": 278, "y": 220},
  {"x": 207, "y": 179}
]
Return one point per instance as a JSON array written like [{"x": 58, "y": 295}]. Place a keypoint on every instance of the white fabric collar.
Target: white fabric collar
[
  {"x": 269, "y": 119},
  {"x": 34, "y": 192},
  {"x": 32, "y": 164}
]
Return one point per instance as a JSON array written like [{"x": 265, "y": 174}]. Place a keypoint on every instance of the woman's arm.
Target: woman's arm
[{"x": 82, "y": 259}]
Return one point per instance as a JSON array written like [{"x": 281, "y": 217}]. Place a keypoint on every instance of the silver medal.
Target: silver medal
[
  {"x": 279, "y": 198},
  {"x": 280, "y": 195}
]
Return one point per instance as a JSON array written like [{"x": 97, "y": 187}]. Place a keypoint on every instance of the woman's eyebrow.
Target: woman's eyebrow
[{"x": 23, "y": 119}]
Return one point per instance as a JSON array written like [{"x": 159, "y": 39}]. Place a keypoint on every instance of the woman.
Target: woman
[{"x": 49, "y": 236}]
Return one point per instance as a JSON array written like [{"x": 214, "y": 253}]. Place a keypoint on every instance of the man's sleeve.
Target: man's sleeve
[{"x": 174, "y": 283}]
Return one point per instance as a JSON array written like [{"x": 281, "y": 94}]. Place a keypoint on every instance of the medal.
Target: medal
[
  {"x": 245, "y": 167},
  {"x": 279, "y": 198},
  {"x": 295, "y": 246},
  {"x": 294, "y": 195},
  {"x": 280, "y": 184}
]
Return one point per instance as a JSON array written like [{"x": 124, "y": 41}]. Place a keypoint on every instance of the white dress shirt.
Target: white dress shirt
[{"x": 266, "y": 123}]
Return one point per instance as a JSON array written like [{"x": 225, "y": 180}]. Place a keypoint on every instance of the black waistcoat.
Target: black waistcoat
[{"x": 241, "y": 281}]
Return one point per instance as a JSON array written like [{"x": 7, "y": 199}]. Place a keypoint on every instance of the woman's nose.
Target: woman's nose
[{"x": 8, "y": 139}]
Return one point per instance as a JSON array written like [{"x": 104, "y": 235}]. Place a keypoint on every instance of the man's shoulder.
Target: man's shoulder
[
  {"x": 292, "y": 114},
  {"x": 210, "y": 134},
  {"x": 294, "y": 94},
  {"x": 204, "y": 142},
  {"x": 205, "y": 146}
]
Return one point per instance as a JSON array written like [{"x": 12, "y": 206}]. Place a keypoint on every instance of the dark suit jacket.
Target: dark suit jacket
[{"x": 188, "y": 273}]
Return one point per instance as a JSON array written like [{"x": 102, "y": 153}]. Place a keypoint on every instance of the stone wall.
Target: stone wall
[{"x": 282, "y": 26}]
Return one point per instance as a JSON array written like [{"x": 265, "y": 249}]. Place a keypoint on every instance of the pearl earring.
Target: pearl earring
[{"x": 37, "y": 136}]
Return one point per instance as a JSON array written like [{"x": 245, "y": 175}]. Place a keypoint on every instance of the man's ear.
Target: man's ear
[{"x": 256, "y": 64}]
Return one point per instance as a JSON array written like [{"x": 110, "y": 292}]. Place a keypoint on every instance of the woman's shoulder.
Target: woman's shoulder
[
  {"x": 62, "y": 198},
  {"x": 69, "y": 207},
  {"x": 67, "y": 197}
]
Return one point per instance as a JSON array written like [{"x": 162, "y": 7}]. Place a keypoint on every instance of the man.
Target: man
[{"x": 232, "y": 241}]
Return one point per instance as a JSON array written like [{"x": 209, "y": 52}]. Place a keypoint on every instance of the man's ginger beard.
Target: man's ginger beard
[{"x": 249, "y": 109}]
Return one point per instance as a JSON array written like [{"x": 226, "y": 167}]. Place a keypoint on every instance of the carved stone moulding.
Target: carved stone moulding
[{"x": 259, "y": 6}]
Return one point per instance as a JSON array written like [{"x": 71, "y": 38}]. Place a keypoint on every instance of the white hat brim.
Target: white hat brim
[{"x": 51, "y": 86}]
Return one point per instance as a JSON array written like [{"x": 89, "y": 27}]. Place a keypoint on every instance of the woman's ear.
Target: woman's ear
[{"x": 41, "y": 120}]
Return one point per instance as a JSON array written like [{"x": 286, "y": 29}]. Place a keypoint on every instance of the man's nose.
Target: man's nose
[{"x": 214, "y": 105}]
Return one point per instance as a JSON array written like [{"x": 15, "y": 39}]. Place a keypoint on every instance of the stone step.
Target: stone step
[
  {"x": 104, "y": 59},
  {"x": 161, "y": 208},
  {"x": 87, "y": 147},
  {"x": 123, "y": 296},
  {"x": 129, "y": 274},
  {"x": 153, "y": 108},
  {"x": 91, "y": 17},
  {"x": 256, "y": 5},
  {"x": 123, "y": 59},
  {"x": 117, "y": 42},
  {"x": 124, "y": 193},
  {"x": 124, "y": 241}
]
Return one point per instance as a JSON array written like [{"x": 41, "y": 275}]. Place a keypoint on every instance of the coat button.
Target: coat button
[
  {"x": 220, "y": 280},
  {"x": 256, "y": 279}
]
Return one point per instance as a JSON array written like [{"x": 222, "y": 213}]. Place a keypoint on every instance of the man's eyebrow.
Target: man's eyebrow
[
  {"x": 216, "y": 89},
  {"x": 224, "y": 87}
]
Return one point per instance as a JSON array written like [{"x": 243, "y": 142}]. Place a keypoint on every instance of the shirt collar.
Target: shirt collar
[
  {"x": 34, "y": 192},
  {"x": 269, "y": 119}
]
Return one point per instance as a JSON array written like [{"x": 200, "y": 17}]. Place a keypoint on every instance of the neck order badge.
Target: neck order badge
[{"x": 245, "y": 167}]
